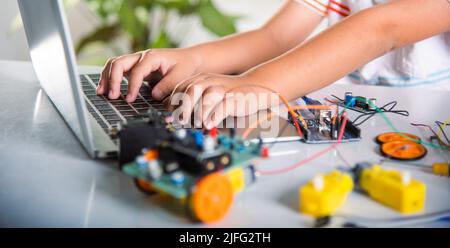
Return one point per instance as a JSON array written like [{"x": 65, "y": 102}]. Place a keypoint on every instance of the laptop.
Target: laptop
[{"x": 92, "y": 118}]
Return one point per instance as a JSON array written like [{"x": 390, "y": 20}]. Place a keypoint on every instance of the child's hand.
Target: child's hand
[
  {"x": 213, "y": 97},
  {"x": 173, "y": 64}
]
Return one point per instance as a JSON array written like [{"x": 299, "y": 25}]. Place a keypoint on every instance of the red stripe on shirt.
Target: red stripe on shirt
[
  {"x": 331, "y": 8},
  {"x": 313, "y": 6},
  {"x": 338, "y": 11},
  {"x": 341, "y": 5}
]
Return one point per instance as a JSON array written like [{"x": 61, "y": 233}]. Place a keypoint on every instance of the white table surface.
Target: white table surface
[{"x": 48, "y": 180}]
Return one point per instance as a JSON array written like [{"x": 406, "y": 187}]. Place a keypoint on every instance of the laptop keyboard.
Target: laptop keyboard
[{"x": 109, "y": 113}]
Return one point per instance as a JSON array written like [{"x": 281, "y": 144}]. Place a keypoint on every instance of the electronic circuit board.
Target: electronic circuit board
[
  {"x": 360, "y": 104},
  {"x": 323, "y": 125},
  {"x": 315, "y": 134},
  {"x": 357, "y": 103},
  {"x": 200, "y": 169},
  {"x": 241, "y": 153}
]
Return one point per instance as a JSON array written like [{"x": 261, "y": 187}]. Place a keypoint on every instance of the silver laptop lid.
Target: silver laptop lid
[{"x": 54, "y": 63}]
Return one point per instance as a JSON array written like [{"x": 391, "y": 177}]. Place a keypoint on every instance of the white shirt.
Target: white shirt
[{"x": 425, "y": 63}]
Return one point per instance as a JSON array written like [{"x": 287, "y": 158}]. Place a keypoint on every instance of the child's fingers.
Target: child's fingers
[
  {"x": 212, "y": 96},
  {"x": 142, "y": 69},
  {"x": 174, "y": 98},
  {"x": 194, "y": 93},
  {"x": 219, "y": 113},
  {"x": 119, "y": 66},
  {"x": 207, "y": 87},
  {"x": 234, "y": 103},
  {"x": 164, "y": 87},
  {"x": 180, "y": 88},
  {"x": 104, "y": 77}
]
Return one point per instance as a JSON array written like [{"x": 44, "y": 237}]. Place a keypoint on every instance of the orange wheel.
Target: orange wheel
[
  {"x": 212, "y": 198},
  {"x": 144, "y": 186},
  {"x": 403, "y": 150},
  {"x": 388, "y": 137}
]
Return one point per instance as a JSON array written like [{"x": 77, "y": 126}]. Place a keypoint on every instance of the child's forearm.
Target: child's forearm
[
  {"x": 238, "y": 53},
  {"x": 352, "y": 43}
]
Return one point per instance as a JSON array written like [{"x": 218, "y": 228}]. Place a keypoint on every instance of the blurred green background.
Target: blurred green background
[
  {"x": 183, "y": 25},
  {"x": 143, "y": 24}
]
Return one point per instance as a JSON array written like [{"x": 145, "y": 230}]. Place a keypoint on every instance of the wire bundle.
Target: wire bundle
[
  {"x": 311, "y": 158},
  {"x": 387, "y": 108},
  {"x": 441, "y": 126},
  {"x": 441, "y": 135},
  {"x": 386, "y": 119}
]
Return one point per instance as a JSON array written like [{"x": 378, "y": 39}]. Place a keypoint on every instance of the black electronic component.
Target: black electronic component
[
  {"x": 138, "y": 134},
  {"x": 182, "y": 147},
  {"x": 194, "y": 159},
  {"x": 315, "y": 134},
  {"x": 232, "y": 132},
  {"x": 361, "y": 102}
]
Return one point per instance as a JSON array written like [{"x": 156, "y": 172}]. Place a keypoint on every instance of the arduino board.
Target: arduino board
[{"x": 322, "y": 125}]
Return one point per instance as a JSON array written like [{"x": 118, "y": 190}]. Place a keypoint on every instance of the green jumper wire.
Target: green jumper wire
[{"x": 392, "y": 125}]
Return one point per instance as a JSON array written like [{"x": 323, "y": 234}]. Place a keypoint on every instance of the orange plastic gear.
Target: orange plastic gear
[
  {"x": 388, "y": 137},
  {"x": 212, "y": 198},
  {"x": 403, "y": 150}
]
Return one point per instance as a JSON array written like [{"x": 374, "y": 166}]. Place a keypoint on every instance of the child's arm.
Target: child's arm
[
  {"x": 233, "y": 54},
  {"x": 333, "y": 53},
  {"x": 353, "y": 43},
  {"x": 238, "y": 53}
]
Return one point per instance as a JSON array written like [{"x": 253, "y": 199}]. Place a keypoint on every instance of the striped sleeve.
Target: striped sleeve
[
  {"x": 324, "y": 7},
  {"x": 318, "y": 6}
]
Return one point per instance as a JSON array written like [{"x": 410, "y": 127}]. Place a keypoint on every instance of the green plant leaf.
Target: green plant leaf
[
  {"x": 103, "y": 34},
  {"x": 163, "y": 41},
  {"x": 106, "y": 9},
  {"x": 183, "y": 7},
  {"x": 131, "y": 17},
  {"x": 130, "y": 21},
  {"x": 213, "y": 20}
]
